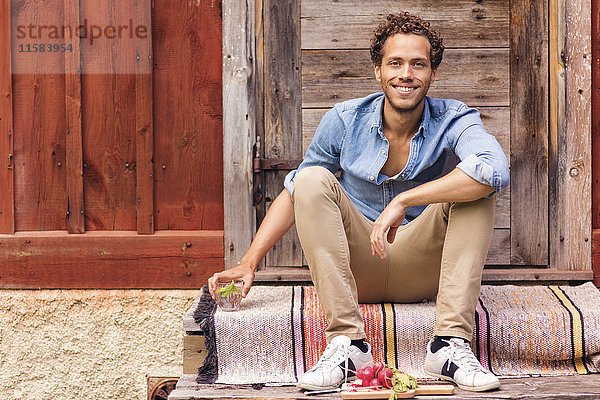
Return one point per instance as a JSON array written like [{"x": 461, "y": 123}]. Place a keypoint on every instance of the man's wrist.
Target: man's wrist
[{"x": 401, "y": 201}]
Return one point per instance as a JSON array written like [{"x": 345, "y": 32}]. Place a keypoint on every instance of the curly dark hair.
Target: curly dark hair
[{"x": 404, "y": 22}]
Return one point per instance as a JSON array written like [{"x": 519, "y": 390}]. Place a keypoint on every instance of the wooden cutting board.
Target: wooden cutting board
[{"x": 385, "y": 393}]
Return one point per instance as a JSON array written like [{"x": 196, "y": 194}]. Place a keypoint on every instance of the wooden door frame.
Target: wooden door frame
[{"x": 569, "y": 145}]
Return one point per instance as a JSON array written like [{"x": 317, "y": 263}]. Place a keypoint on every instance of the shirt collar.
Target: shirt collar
[{"x": 377, "y": 121}]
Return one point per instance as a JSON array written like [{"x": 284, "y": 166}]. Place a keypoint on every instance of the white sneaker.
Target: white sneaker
[
  {"x": 458, "y": 364},
  {"x": 333, "y": 367}
]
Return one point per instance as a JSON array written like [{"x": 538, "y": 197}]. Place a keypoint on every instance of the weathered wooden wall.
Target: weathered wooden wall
[
  {"x": 336, "y": 66},
  {"x": 499, "y": 57},
  {"x": 595, "y": 5},
  {"x": 116, "y": 136}
]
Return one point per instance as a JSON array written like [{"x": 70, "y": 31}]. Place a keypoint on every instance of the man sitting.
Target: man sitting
[{"x": 411, "y": 216}]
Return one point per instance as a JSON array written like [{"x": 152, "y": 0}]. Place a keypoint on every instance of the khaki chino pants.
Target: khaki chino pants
[{"x": 441, "y": 252}]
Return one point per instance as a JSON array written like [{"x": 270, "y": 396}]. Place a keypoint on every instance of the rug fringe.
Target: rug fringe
[{"x": 205, "y": 316}]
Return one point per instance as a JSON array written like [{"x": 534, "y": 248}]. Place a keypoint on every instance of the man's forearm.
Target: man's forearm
[
  {"x": 453, "y": 187},
  {"x": 277, "y": 222}
]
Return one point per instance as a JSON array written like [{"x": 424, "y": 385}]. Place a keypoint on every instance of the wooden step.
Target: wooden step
[{"x": 577, "y": 387}]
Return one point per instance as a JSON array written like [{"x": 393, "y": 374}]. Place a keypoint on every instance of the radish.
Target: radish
[
  {"x": 385, "y": 376},
  {"x": 377, "y": 367},
  {"x": 375, "y": 382},
  {"x": 367, "y": 374},
  {"x": 359, "y": 374}
]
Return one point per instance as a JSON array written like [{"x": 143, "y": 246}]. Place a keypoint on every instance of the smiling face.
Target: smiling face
[{"x": 405, "y": 73}]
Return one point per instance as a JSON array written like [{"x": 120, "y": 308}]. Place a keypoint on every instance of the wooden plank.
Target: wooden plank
[
  {"x": 494, "y": 119},
  {"x": 7, "y": 216},
  {"x": 108, "y": 107},
  {"x": 349, "y": 24},
  {"x": 571, "y": 144},
  {"x": 238, "y": 127},
  {"x": 194, "y": 353},
  {"x": 575, "y": 387},
  {"x": 74, "y": 143},
  {"x": 490, "y": 275},
  {"x": 144, "y": 128},
  {"x": 595, "y": 5},
  {"x": 546, "y": 388},
  {"x": 529, "y": 133},
  {"x": 40, "y": 194},
  {"x": 260, "y": 206},
  {"x": 478, "y": 77},
  {"x": 109, "y": 259},
  {"x": 596, "y": 256},
  {"x": 188, "y": 115},
  {"x": 282, "y": 110},
  {"x": 596, "y": 264}
]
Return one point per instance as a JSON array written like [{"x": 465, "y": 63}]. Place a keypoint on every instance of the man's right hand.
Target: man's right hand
[{"x": 242, "y": 272}]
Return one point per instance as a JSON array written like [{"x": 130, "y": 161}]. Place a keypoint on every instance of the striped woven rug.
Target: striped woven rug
[{"x": 520, "y": 331}]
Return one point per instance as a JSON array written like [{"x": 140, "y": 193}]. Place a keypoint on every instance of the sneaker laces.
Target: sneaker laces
[
  {"x": 462, "y": 353},
  {"x": 328, "y": 361}
]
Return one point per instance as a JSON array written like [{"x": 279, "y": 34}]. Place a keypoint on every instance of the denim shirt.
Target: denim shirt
[{"x": 350, "y": 136}]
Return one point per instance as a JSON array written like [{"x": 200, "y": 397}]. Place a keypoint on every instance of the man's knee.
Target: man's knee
[{"x": 312, "y": 181}]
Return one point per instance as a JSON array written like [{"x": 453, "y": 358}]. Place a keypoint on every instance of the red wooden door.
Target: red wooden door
[{"x": 117, "y": 134}]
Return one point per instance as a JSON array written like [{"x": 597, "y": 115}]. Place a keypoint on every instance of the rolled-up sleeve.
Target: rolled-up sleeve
[
  {"x": 481, "y": 156},
  {"x": 324, "y": 149}
]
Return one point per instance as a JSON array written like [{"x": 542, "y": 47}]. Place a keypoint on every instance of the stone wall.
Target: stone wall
[{"x": 89, "y": 344}]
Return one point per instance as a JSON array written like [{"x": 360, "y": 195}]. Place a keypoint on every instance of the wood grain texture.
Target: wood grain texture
[
  {"x": 577, "y": 387},
  {"x": 282, "y": 110},
  {"x": 188, "y": 115},
  {"x": 492, "y": 274},
  {"x": 109, "y": 260},
  {"x": 349, "y": 24},
  {"x": 478, "y": 77},
  {"x": 571, "y": 197},
  {"x": 194, "y": 353},
  {"x": 75, "y": 215},
  {"x": 529, "y": 133},
  {"x": 494, "y": 119},
  {"x": 596, "y": 255},
  {"x": 239, "y": 129},
  {"x": 108, "y": 107},
  {"x": 595, "y": 6},
  {"x": 259, "y": 116},
  {"x": 7, "y": 216},
  {"x": 144, "y": 127},
  {"x": 39, "y": 125}
]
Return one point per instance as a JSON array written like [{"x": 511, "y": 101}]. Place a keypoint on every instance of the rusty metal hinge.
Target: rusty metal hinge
[{"x": 270, "y": 164}]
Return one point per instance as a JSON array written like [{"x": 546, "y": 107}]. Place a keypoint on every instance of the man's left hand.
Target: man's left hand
[{"x": 388, "y": 222}]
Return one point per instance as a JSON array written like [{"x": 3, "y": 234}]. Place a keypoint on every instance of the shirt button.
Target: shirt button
[
  {"x": 372, "y": 178},
  {"x": 383, "y": 152}
]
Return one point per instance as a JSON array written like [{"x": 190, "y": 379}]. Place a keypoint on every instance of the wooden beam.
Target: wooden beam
[
  {"x": 595, "y": 113},
  {"x": 109, "y": 259},
  {"x": 75, "y": 215},
  {"x": 596, "y": 255},
  {"x": 7, "y": 216},
  {"x": 571, "y": 199},
  {"x": 596, "y": 140},
  {"x": 283, "y": 109},
  {"x": 144, "y": 126},
  {"x": 239, "y": 127},
  {"x": 491, "y": 275},
  {"x": 529, "y": 132}
]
